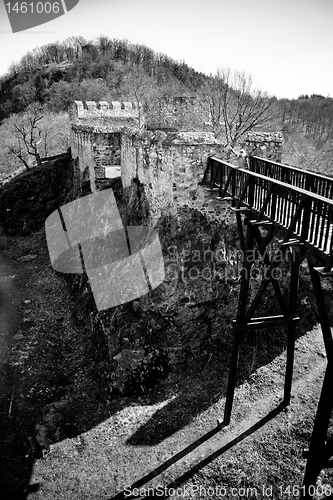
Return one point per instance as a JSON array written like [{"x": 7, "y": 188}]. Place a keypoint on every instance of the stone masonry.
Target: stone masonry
[
  {"x": 95, "y": 135},
  {"x": 265, "y": 144},
  {"x": 169, "y": 165}
]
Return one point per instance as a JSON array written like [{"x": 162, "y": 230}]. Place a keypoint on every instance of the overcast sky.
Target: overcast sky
[{"x": 286, "y": 45}]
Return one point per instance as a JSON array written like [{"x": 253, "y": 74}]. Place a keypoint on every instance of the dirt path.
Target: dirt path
[
  {"x": 9, "y": 300},
  {"x": 103, "y": 463},
  {"x": 42, "y": 352}
]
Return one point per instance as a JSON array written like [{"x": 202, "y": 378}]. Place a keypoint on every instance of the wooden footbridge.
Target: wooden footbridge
[{"x": 295, "y": 208}]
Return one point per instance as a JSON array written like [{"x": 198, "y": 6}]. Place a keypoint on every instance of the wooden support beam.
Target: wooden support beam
[
  {"x": 324, "y": 274},
  {"x": 329, "y": 264},
  {"x": 328, "y": 464},
  {"x": 319, "y": 452},
  {"x": 264, "y": 322},
  {"x": 241, "y": 209},
  {"x": 323, "y": 313},
  {"x": 292, "y": 243},
  {"x": 261, "y": 222},
  {"x": 257, "y": 300}
]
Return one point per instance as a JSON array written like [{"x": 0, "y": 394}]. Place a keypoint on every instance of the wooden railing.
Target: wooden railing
[
  {"x": 304, "y": 179},
  {"x": 302, "y": 213},
  {"x": 310, "y": 181}
]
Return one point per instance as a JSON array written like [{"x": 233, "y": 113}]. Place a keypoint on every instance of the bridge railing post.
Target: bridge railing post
[
  {"x": 309, "y": 183},
  {"x": 306, "y": 219},
  {"x": 233, "y": 184},
  {"x": 253, "y": 164},
  {"x": 251, "y": 191}
]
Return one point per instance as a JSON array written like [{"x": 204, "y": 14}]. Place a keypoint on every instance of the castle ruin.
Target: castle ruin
[
  {"x": 96, "y": 136},
  {"x": 110, "y": 141}
]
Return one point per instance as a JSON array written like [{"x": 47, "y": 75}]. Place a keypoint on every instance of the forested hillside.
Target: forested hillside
[
  {"x": 55, "y": 74},
  {"x": 308, "y": 131},
  {"x": 41, "y": 86}
]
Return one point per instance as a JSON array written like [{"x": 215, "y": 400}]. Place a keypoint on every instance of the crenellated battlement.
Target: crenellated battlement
[{"x": 83, "y": 111}]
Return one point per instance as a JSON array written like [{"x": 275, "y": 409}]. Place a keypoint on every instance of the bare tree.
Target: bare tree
[
  {"x": 141, "y": 88},
  {"x": 104, "y": 45},
  {"x": 233, "y": 107},
  {"x": 26, "y": 135},
  {"x": 54, "y": 138},
  {"x": 72, "y": 47}
]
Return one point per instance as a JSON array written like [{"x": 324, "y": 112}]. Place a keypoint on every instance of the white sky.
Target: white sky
[{"x": 286, "y": 45}]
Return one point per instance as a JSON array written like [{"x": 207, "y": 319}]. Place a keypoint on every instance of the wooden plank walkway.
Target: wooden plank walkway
[{"x": 297, "y": 201}]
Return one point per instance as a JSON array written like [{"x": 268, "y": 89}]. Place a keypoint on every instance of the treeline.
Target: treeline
[
  {"x": 50, "y": 77},
  {"x": 36, "y": 92},
  {"x": 109, "y": 69},
  {"x": 314, "y": 114},
  {"x": 100, "y": 54},
  {"x": 57, "y": 73}
]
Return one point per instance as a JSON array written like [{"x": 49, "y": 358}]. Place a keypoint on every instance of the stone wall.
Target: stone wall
[
  {"x": 34, "y": 194},
  {"x": 179, "y": 113},
  {"x": 108, "y": 141},
  {"x": 106, "y": 149},
  {"x": 81, "y": 145},
  {"x": 169, "y": 166},
  {"x": 265, "y": 144},
  {"x": 95, "y": 135}
]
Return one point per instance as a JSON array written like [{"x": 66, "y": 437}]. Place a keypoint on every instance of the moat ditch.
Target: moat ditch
[
  {"x": 70, "y": 366},
  {"x": 186, "y": 322}
]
